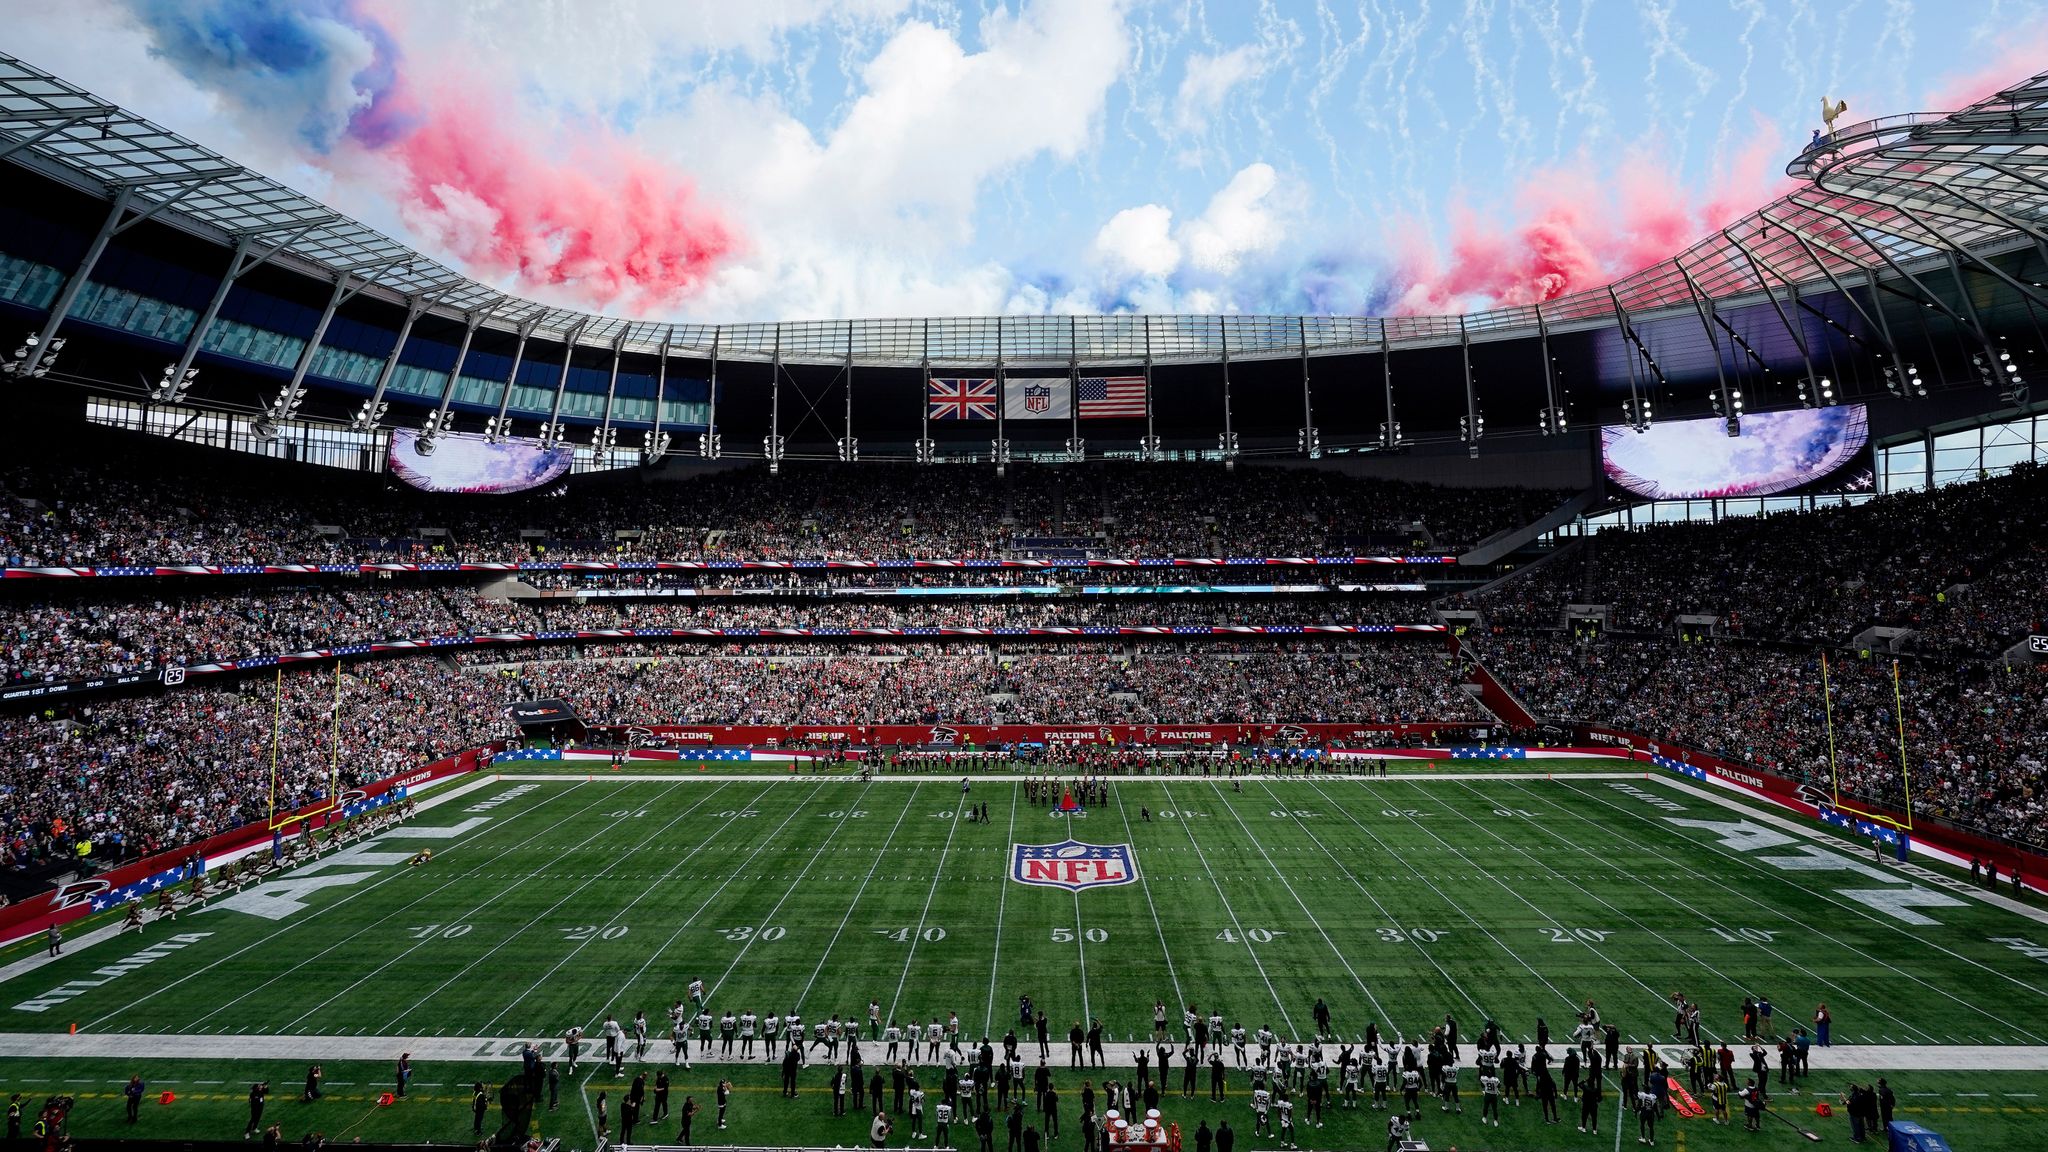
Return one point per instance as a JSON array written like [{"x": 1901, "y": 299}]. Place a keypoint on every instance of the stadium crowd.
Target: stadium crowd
[
  {"x": 52, "y": 515},
  {"x": 1972, "y": 730},
  {"x": 134, "y": 775},
  {"x": 1821, "y": 575},
  {"x": 55, "y": 640}
]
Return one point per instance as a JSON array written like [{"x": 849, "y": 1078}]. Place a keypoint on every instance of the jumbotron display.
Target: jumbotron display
[
  {"x": 459, "y": 462},
  {"x": 1777, "y": 452}
]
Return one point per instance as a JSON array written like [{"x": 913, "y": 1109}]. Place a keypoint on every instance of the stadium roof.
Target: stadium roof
[{"x": 1878, "y": 199}]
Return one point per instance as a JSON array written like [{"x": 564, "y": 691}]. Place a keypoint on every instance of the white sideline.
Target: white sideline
[{"x": 158, "y": 1046}]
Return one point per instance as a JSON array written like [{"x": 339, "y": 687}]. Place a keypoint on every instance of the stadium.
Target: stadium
[{"x": 435, "y": 712}]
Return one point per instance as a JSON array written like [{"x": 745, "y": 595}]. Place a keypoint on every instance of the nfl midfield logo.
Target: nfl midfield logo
[
  {"x": 1072, "y": 865},
  {"x": 1037, "y": 398}
]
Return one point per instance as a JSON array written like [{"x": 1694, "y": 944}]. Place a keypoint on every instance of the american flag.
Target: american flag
[
  {"x": 962, "y": 399},
  {"x": 1109, "y": 397}
]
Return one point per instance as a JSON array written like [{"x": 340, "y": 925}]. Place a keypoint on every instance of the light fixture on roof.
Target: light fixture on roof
[
  {"x": 369, "y": 415},
  {"x": 16, "y": 364},
  {"x": 552, "y": 433},
  {"x": 1551, "y": 421},
  {"x": 497, "y": 428},
  {"x": 172, "y": 391},
  {"x": 1636, "y": 413},
  {"x": 431, "y": 429},
  {"x": 654, "y": 447}
]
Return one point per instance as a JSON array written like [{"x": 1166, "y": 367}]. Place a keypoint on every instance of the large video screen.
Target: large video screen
[
  {"x": 1777, "y": 452},
  {"x": 461, "y": 462}
]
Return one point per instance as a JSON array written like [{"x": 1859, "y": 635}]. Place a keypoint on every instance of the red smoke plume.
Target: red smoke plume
[
  {"x": 1581, "y": 226},
  {"x": 601, "y": 219}
]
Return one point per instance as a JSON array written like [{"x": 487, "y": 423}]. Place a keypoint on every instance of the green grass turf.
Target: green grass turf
[{"x": 1393, "y": 900}]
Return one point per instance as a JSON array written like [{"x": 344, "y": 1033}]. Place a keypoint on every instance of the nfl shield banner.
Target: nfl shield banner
[
  {"x": 1038, "y": 398},
  {"x": 1073, "y": 865}
]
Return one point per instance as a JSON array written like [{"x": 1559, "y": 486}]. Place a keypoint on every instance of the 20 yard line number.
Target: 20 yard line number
[{"x": 1576, "y": 935}]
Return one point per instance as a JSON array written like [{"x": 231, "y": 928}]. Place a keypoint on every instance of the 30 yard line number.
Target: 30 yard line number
[{"x": 746, "y": 931}]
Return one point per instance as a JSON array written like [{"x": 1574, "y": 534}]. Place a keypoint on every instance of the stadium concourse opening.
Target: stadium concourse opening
[{"x": 1272, "y": 765}]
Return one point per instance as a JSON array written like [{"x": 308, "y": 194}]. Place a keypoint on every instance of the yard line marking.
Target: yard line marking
[
  {"x": 823, "y": 843},
  {"x": 1144, "y": 886},
  {"x": 1232, "y": 913},
  {"x": 372, "y": 886},
  {"x": 1456, "y": 906},
  {"x": 500, "y": 894},
  {"x": 1846, "y": 994},
  {"x": 921, "y": 916},
  {"x": 988, "y": 1019},
  {"x": 1787, "y": 881},
  {"x": 855, "y": 903},
  {"x": 1386, "y": 1020},
  {"x": 1662, "y": 999},
  {"x": 609, "y": 922},
  {"x": 763, "y": 842},
  {"x": 1299, "y": 902}
]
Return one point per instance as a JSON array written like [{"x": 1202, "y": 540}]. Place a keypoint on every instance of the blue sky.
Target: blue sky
[{"x": 808, "y": 158}]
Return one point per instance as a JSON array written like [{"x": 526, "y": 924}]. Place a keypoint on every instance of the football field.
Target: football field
[{"x": 1481, "y": 892}]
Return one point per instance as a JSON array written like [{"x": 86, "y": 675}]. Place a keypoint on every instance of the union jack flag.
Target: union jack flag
[{"x": 962, "y": 399}]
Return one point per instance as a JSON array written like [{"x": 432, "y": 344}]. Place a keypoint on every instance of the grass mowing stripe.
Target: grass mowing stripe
[
  {"x": 988, "y": 1019},
  {"x": 938, "y": 873},
  {"x": 873, "y": 864},
  {"x": 500, "y": 894},
  {"x": 611, "y": 920},
  {"x": 1779, "y": 956},
  {"x": 1386, "y": 1020},
  {"x": 1145, "y": 886},
  {"x": 1203, "y": 857},
  {"x": 760, "y": 843},
  {"x": 1555, "y": 925},
  {"x": 1784, "y": 878},
  {"x": 1454, "y": 905},
  {"x": 311, "y": 917},
  {"x": 824, "y": 842},
  {"x": 1258, "y": 843}
]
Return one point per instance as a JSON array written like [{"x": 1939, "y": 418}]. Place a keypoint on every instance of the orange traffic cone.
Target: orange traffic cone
[
  {"x": 385, "y": 1100},
  {"x": 167, "y": 1097},
  {"x": 74, "y": 1027}
]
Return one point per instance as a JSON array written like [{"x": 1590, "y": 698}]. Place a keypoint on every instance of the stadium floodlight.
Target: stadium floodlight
[
  {"x": 1471, "y": 428},
  {"x": 1551, "y": 421},
  {"x": 15, "y": 365},
  {"x": 603, "y": 441},
  {"x": 1148, "y": 448},
  {"x": 431, "y": 428},
  {"x": 1390, "y": 435},
  {"x": 773, "y": 447},
  {"x": 849, "y": 449},
  {"x": 267, "y": 424},
  {"x": 370, "y": 415},
  {"x": 654, "y": 447},
  {"x": 552, "y": 434},
  {"x": 170, "y": 391},
  {"x": 1309, "y": 442},
  {"x": 497, "y": 428},
  {"x": 1077, "y": 449},
  {"x": 1636, "y": 413},
  {"x": 926, "y": 449},
  {"x": 999, "y": 451},
  {"x": 710, "y": 444}
]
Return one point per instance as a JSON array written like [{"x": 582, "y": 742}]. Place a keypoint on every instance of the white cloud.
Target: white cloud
[
  {"x": 1243, "y": 219},
  {"x": 1208, "y": 81},
  {"x": 1138, "y": 242},
  {"x": 870, "y": 216}
]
